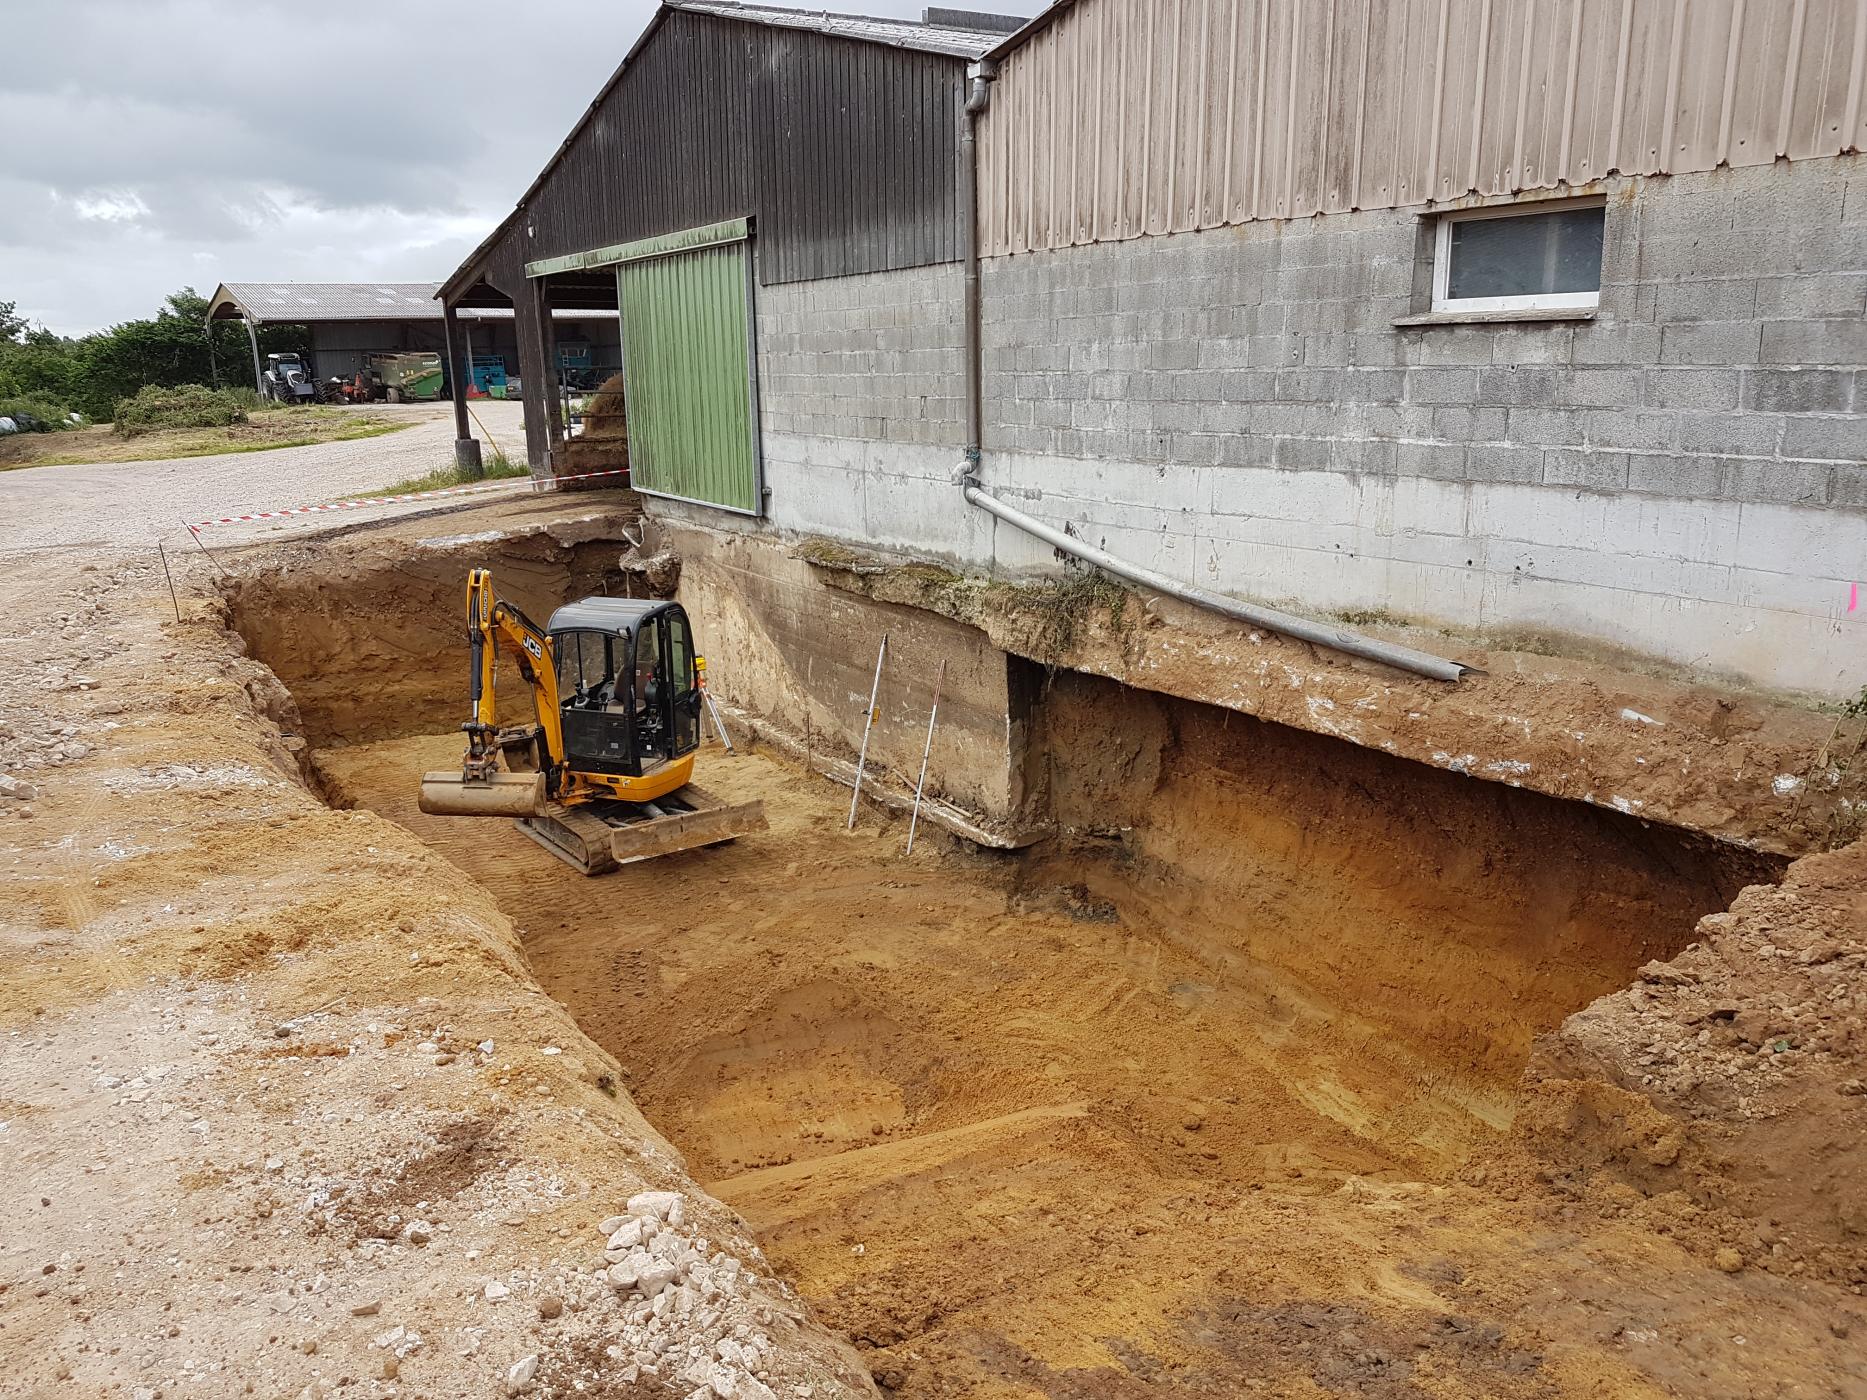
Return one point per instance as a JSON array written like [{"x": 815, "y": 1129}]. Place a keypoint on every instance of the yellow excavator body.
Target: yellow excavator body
[{"x": 605, "y": 775}]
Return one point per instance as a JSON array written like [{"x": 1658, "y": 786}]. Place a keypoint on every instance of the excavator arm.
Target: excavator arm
[
  {"x": 482, "y": 787},
  {"x": 489, "y": 618}
]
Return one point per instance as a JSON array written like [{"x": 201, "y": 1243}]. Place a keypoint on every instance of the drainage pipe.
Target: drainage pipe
[
  {"x": 980, "y": 76},
  {"x": 1336, "y": 638}
]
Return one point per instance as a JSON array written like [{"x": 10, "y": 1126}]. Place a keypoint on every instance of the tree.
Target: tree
[{"x": 92, "y": 373}]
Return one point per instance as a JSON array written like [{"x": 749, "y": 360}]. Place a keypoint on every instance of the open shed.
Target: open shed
[{"x": 347, "y": 322}]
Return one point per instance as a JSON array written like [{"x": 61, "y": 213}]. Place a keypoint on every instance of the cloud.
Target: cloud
[{"x": 156, "y": 143}]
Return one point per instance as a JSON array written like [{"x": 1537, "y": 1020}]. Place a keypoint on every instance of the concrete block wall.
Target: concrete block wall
[
  {"x": 861, "y": 400},
  {"x": 1685, "y": 475}
]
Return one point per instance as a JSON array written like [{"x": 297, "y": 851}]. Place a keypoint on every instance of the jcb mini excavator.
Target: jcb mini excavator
[{"x": 603, "y": 777}]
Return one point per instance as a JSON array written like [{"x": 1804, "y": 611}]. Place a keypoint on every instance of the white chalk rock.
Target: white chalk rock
[
  {"x": 655, "y": 1203},
  {"x": 628, "y": 1235},
  {"x": 613, "y": 1224},
  {"x": 658, "y": 1276},
  {"x": 627, "y": 1272},
  {"x": 521, "y": 1374},
  {"x": 497, "y": 1292}
]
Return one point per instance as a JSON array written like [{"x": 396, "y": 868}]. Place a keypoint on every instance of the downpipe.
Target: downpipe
[
  {"x": 980, "y": 76},
  {"x": 1419, "y": 663}
]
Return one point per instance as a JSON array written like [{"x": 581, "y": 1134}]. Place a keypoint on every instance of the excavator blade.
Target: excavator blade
[
  {"x": 597, "y": 837},
  {"x": 505, "y": 795}
]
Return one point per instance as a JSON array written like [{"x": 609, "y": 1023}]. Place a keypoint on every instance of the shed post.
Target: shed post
[
  {"x": 548, "y": 343},
  {"x": 460, "y": 373},
  {"x": 252, "y": 339}
]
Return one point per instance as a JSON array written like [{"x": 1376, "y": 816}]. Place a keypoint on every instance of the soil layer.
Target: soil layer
[{"x": 1190, "y": 1107}]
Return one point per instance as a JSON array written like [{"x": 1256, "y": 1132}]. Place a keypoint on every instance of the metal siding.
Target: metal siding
[
  {"x": 1126, "y": 117},
  {"x": 842, "y": 151},
  {"x": 685, "y": 330}
]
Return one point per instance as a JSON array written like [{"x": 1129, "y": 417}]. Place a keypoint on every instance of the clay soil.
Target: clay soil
[{"x": 1217, "y": 1101}]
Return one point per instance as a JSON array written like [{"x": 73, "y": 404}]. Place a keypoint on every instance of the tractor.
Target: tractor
[{"x": 287, "y": 380}]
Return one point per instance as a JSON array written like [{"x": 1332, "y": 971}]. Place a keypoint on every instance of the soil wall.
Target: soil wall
[
  {"x": 372, "y": 641},
  {"x": 1416, "y": 926}
]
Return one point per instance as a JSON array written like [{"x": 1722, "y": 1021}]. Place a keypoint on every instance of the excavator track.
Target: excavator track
[{"x": 598, "y": 837}]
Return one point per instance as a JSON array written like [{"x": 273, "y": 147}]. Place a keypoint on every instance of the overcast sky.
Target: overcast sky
[{"x": 156, "y": 144}]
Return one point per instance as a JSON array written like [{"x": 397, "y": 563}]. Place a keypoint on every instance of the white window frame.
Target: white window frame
[{"x": 1541, "y": 301}]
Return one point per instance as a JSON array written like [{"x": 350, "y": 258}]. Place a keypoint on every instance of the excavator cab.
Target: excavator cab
[{"x": 628, "y": 685}]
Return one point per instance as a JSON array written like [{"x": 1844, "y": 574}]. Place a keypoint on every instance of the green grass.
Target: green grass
[
  {"x": 267, "y": 431},
  {"x": 498, "y": 468}
]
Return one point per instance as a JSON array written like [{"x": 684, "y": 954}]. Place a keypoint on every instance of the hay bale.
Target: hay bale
[{"x": 605, "y": 415}]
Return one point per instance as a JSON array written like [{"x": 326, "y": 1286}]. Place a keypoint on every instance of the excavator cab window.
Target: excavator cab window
[
  {"x": 649, "y": 693},
  {"x": 596, "y": 726},
  {"x": 684, "y": 684},
  {"x": 629, "y": 696}
]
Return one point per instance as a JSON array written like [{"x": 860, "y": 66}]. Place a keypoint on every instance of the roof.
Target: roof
[
  {"x": 315, "y": 303},
  {"x": 950, "y": 39},
  {"x": 1023, "y": 35},
  {"x": 303, "y": 302},
  {"x": 605, "y": 614},
  {"x": 945, "y": 40}
]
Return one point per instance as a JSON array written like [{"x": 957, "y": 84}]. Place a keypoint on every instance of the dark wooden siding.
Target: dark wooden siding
[{"x": 843, "y": 153}]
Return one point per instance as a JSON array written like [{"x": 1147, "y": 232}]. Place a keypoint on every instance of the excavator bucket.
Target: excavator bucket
[
  {"x": 599, "y": 836},
  {"x": 503, "y": 795}
]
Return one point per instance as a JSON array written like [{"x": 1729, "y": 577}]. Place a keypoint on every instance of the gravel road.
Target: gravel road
[{"x": 110, "y": 506}]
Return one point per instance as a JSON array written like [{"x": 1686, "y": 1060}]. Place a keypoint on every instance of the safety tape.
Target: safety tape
[{"x": 550, "y": 482}]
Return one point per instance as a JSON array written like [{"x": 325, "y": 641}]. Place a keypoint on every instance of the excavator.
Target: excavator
[{"x": 604, "y": 776}]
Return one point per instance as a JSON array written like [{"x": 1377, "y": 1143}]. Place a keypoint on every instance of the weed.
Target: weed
[
  {"x": 185, "y": 406},
  {"x": 34, "y": 413},
  {"x": 1062, "y": 607},
  {"x": 498, "y": 468}
]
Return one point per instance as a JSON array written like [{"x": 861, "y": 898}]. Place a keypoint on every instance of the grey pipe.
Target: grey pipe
[
  {"x": 1336, "y": 638},
  {"x": 980, "y": 93}
]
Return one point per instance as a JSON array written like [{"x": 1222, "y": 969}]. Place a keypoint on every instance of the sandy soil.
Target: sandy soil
[
  {"x": 282, "y": 1111},
  {"x": 1018, "y": 1137}
]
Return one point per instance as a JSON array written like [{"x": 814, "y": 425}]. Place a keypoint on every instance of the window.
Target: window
[
  {"x": 583, "y": 665},
  {"x": 1510, "y": 260}
]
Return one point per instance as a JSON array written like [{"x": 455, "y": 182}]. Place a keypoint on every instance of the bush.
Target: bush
[
  {"x": 185, "y": 406},
  {"x": 34, "y": 413}
]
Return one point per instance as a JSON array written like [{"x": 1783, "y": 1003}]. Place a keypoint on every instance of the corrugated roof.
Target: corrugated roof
[
  {"x": 304, "y": 302},
  {"x": 313, "y": 303},
  {"x": 946, "y": 41},
  {"x": 950, "y": 40}
]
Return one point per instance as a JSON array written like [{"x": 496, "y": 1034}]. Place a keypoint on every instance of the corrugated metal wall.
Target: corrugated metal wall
[
  {"x": 843, "y": 152},
  {"x": 686, "y": 376},
  {"x": 1127, "y": 117}
]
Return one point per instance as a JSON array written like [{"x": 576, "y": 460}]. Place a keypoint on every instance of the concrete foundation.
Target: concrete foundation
[{"x": 800, "y": 657}]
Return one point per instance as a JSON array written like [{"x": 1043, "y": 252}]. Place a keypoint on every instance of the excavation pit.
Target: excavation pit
[{"x": 1098, "y": 1118}]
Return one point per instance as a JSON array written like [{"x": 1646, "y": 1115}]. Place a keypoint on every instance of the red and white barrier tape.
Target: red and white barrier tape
[{"x": 364, "y": 501}]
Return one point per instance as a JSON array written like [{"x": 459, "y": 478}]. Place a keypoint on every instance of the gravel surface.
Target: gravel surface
[{"x": 119, "y": 505}]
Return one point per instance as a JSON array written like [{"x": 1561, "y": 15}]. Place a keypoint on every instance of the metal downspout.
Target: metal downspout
[
  {"x": 1336, "y": 638},
  {"x": 980, "y": 76}
]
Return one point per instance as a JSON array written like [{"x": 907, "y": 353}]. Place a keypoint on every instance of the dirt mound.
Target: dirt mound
[{"x": 1728, "y": 1086}]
